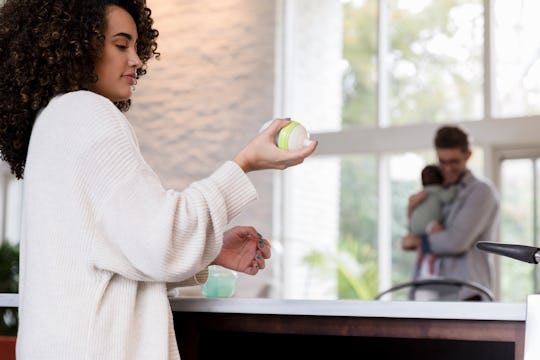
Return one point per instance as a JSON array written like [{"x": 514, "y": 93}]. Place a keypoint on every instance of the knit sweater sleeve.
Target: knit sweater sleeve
[{"x": 143, "y": 231}]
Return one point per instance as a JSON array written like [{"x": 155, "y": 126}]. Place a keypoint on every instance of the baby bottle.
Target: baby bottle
[{"x": 293, "y": 136}]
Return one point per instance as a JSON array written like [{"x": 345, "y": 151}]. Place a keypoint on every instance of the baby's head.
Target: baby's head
[{"x": 431, "y": 174}]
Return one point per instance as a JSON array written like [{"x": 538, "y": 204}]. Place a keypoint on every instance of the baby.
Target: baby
[{"x": 429, "y": 213}]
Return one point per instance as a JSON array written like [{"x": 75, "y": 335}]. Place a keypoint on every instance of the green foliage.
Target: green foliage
[
  {"x": 355, "y": 262},
  {"x": 359, "y": 48},
  {"x": 436, "y": 86},
  {"x": 357, "y": 277},
  {"x": 9, "y": 283},
  {"x": 358, "y": 201},
  {"x": 9, "y": 267}
]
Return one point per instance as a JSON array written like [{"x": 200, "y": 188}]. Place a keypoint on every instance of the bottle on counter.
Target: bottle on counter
[{"x": 221, "y": 282}]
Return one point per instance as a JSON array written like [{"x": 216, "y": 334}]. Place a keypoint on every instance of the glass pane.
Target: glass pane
[
  {"x": 12, "y": 218},
  {"x": 310, "y": 229},
  {"x": 313, "y": 64},
  {"x": 517, "y": 199},
  {"x": 359, "y": 63},
  {"x": 535, "y": 276},
  {"x": 435, "y": 60},
  {"x": 330, "y": 241},
  {"x": 516, "y": 63},
  {"x": 358, "y": 227},
  {"x": 405, "y": 180},
  {"x": 476, "y": 161},
  {"x": 330, "y": 229}
]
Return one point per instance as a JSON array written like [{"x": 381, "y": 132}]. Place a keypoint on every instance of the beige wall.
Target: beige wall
[{"x": 208, "y": 95}]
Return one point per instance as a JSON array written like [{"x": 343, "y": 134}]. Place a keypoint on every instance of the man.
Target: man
[{"x": 473, "y": 216}]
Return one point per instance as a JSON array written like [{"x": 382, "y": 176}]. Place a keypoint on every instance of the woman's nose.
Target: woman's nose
[{"x": 135, "y": 61}]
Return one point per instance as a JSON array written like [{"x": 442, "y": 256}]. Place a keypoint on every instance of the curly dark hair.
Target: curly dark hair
[{"x": 50, "y": 47}]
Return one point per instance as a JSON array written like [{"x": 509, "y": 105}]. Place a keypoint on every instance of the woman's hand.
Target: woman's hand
[
  {"x": 243, "y": 250},
  {"x": 263, "y": 153}
]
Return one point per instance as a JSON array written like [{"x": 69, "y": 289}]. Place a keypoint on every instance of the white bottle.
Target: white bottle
[{"x": 293, "y": 136}]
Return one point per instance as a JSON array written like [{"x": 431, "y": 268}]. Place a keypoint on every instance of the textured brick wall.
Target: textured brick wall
[{"x": 208, "y": 94}]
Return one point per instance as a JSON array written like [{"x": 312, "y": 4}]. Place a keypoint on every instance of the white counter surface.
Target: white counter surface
[{"x": 357, "y": 308}]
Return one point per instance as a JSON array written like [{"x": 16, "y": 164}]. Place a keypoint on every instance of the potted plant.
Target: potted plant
[{"x": 9, "y": 283}]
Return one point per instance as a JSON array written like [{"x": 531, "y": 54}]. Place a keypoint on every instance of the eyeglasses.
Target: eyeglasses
[{"x": 451, "y": 161}]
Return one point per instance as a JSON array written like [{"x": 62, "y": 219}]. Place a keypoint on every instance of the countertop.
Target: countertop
[{"x": 354, "y": 308}]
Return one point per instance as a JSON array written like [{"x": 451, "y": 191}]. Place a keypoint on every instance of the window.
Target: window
[
  {"x": 516, "y": 60},
  {"x": 432, "y": 53},
  {"x": 372, "y": 80},
  {"x": 520, "y": 199}
]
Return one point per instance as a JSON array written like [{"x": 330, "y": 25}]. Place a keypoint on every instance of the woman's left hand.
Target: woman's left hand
[{"x": 243, "y": 250}]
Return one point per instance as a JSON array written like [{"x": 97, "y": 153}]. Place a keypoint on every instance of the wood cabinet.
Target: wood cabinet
[{"x": 268, "y": 329}]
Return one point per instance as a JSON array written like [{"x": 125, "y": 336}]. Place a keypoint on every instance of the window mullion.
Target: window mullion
[{"x": 488, "y": 57}]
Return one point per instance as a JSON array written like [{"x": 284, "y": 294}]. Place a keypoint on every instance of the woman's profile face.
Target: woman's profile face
[{"x": 116, "y": 68}]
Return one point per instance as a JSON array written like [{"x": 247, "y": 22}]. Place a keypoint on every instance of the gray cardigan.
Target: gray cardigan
[{"x": 473, "y": 216}]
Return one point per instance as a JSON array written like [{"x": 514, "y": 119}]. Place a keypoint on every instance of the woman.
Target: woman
[{"x": 101, "y": 240}]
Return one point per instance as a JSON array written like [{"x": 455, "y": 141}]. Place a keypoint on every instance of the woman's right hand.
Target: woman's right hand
[{"x": 262, "y": 152}]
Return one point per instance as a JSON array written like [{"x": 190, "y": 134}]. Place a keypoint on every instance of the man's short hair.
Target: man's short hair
[{"x": 452, "y": 137}]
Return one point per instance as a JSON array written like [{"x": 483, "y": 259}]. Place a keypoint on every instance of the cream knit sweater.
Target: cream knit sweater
[{"x": 102, "y": 240}]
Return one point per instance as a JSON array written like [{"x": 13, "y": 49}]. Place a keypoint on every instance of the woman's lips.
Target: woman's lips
[{"x": 131, "y": 78}]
